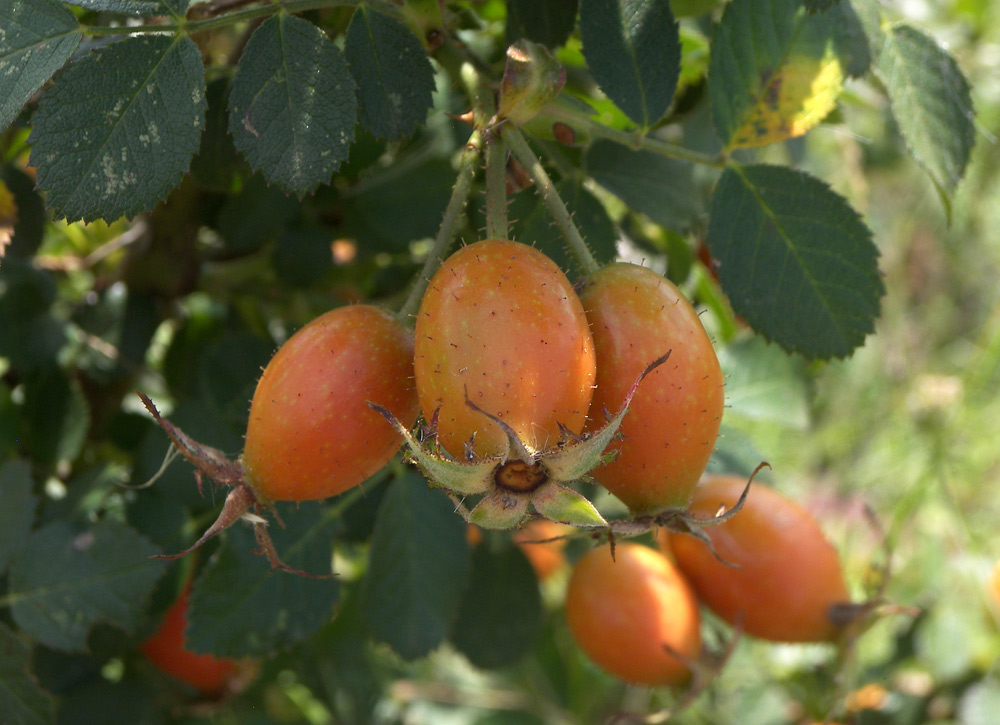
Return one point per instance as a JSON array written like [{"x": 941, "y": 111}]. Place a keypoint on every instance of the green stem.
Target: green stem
[
  {"x": 496, "y": 186},
  {"x": 560, "y": 214},
  {"x": 452, "y": 213},
  {"x": 230, "y": 18},
  {"x": 562, "y": 111}
]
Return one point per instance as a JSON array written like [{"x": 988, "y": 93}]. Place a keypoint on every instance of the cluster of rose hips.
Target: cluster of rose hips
[{"x": 523, "y": 385}]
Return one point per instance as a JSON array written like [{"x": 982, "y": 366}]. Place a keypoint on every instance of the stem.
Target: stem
[
  {"x": 560, "y": 214},
  {"x": 562, "y": 111},
  {"x": 459, "y": 197},
  {"x": 496, "y": 186},
  {"x": 230, "y": 18}
]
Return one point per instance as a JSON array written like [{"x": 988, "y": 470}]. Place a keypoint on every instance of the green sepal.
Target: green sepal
[
  {"x": 461, "y": 477},
  {"x": 577, "y": 459},
  {"x": 565, "y": 506},
  {"x": 500, "y": 509}
]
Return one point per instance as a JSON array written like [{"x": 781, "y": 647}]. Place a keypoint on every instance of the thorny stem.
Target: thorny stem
[
  {"x": 496, "y": 186},
  {"x": 560, "y": 214},
  {"x": 561, "y": 111},
  {"x": 452, "y": 213}
]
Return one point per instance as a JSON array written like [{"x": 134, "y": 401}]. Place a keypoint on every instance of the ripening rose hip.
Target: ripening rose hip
[
  {"x": 630, "y": 612},
  {"x": 311, "y": 433},
  {"x": 669, "y": 434},
  {"x": 501, "y": 322},
  {"x": 787, "y": 575}
]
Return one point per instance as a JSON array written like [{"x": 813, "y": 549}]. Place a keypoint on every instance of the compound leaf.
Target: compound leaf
[
  {"x": 18, "y": 510},
  {"x": 38, "y": 37},
  {"x": 417, "y": 568},
  {"x": 633, "y": 49},
  {"x": 776, "y": 70},
  {"x": 239, "y": 606},
  {"x": 292, "y": 106},
  {"x": 930, "y": 102},
  {"x": 795, "y": 259},
  {"x": 394, "y": 76},
  {"x": 22, "y": 701},
  {"x": 66, "y": 580},
  {"x": 118, "y": 129}
]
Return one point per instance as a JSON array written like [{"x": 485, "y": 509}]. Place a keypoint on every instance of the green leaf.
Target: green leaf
[
  {"x": 776, "y": 70},
  {"x": 134, "y": 7},
  {"x": 217, "y": 161},
  {"x": 65, "y": 580},
  {"x": 338, "y": 664},
  {"x": 930, "y": 101},
  {"x": 663, "y": 189},
  {"x": 18, "y": 510},
  {"x": 302, "y": 255},
  {"x": 292, "y": 106},
  {"x": 22, "y": 701},
  {"x": 404, "y": 202},
  {"x": 393, "y": 73},
  {"x": 819, "y": 6},
  {"x": 500, "y": 616},
  {"x": 764, "y": 383},
  {"x": 258, "y": 214},
  {"x": 417, "y": 568},
  {"x": 633, "y": 49},
  {"x": 549, "y": 22},
  {"x": 118, "y": 129},
  {"x": 795, "y": 259},
  {"x": 533, "y": 224},
  {"x": 239, "y": 606},
  {"x": 57, "y": 416},
  {"x": 30, "y": 337},
  {"x": 38, "y": 37}
]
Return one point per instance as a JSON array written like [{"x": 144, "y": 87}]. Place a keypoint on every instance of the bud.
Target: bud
[{"x": 532, "y": 77}]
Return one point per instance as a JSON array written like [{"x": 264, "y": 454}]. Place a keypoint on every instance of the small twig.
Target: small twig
[
  {"x": 446, "y": 233},
  {"x": 543, "y": 184}
]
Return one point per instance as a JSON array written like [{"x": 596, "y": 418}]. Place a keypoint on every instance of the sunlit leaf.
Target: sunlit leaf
[
  {"x": 795, "y": 259},
  {"x": 633, "y": 50},
  {"x": 930, "y": 102}
]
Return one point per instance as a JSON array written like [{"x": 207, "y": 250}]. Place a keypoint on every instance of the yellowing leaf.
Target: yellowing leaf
[
  {"x": 776, "y": 71},
  {"x": 797, "y": 97}
]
